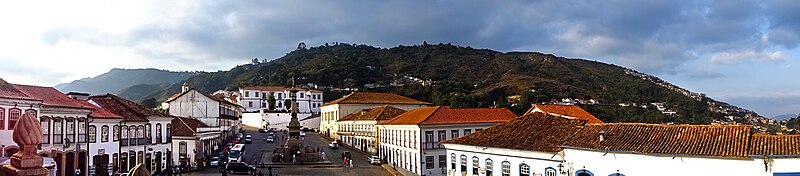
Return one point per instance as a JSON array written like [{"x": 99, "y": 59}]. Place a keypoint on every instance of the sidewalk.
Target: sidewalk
[
  {"x": 391, "y": 170},
  {"x": 385, "y": 166}
]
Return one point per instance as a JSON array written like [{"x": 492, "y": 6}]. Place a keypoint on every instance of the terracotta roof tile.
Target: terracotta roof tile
[
  {"x": 537, "y": 132},
  {"x": 775, "y": 145},
  {"x": 380, "y": 113},
  {"x": 49, "y": 96},
  {"x": 133, "y": 112},
  {"x": 375, "y": 98},
  {"x": 100, "y": 113},
  {"x": 573, "y": 111},
  {"x": 445, "y": 115},
  {"x": 186, "y": 126},
  {"x": 697, "y": 140},
  {"x": 7, "y": 90}
]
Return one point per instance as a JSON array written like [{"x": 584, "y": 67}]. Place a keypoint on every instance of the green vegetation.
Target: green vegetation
[{"x": 462, "y": 77}]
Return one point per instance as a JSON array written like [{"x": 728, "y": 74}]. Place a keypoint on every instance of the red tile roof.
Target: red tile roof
[
  {"x": 186, "y": 126},
  {"x": 100, "y": 113},
  {"x": 380, "y": 113},
  {"x": 133, "y": 112},
  {"x": 7, "y": 90},
  {"x": 573, "y": 111},
  {"x": 775, "y": 145},
  {"x": 536, "y": 131},
  {"x": 375, "y": 98},
  {"x": 445, "y": 115},
  {"x": 698, "y": 140},
  {"x": 50, "y": 96}
]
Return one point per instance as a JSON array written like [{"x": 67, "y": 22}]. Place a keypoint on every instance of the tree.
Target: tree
[
  {"x": 150, "y": 103},
  {"x": 288, "y": 104},
  {"x": 271, "y": 102}
]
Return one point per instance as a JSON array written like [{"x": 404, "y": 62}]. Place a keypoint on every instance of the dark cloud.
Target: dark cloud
[{"x": 653, "y": 36}]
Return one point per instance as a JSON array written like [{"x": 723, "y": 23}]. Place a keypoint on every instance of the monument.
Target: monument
[
  {"x": 293, "y": 150},
  {"x": 27, "y": 134}
]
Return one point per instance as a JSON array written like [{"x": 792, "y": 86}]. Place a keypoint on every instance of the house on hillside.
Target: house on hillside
[
  {"x": 357, "y": 101},
  {"x": 410, "y": 142},
  {"x": 360, "y": 129}
]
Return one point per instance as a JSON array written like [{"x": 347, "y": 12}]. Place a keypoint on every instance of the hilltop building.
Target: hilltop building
[
  {"x": 357, "y": 101},
  {"x": 255, "y": 99},
  {"x": 410, "y": 142}
]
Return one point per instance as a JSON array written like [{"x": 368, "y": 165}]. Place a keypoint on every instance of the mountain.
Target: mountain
[
  {"x": 465, "y": 77},
  {"x": 785, "y": 117},
  {"x": 118, "y": 80}
]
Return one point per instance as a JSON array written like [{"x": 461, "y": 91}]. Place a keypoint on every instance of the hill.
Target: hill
[
  {"x": 117, "y": 80},
  {"x": 784, "y": 117},
  {"x": 465, "y": 77}
]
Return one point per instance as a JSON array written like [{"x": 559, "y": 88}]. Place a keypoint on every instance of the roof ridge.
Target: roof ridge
[
  {"x": 431, "y": 114},
  {"x": 185, "y": 124}
]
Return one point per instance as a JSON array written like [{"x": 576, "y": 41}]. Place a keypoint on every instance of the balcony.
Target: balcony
[
  {"x": 123, "y": 142},
  {"x": 432, "y": 145}
]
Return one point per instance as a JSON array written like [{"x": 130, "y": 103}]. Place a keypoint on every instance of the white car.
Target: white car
[
  {"x": 374, "y": 160},
  {"x": 302, "y": 134},
  {"x": 333, "y": 145}
]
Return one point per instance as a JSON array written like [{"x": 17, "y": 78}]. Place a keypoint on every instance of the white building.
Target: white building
[
  {"x": 194, "y": 141},
  {"x": 540, "y": 144},
  {"x": 144, "y": 136},
  {"x": 211, "y": 110},
  {"x": 357, "y": 101},
  {"x": 360, "y": 129},
  {"x": 410, "y": 141},
  {"x": 255, "y": 99}
]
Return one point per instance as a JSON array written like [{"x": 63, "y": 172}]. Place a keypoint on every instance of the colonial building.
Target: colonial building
[
  {"x": 360, "y": 129},
  {"x": 100, "y": 137},
  {"x": 410, "y": 142},
  {"x": 144, "y": 136},
  {"x": 210, "y": 110},
  {"x": 542, "y": 144},
  {"x": 194, "y": 141},
  {"x": 256, "y": 99},
  {"x": 355, "y": 102}
]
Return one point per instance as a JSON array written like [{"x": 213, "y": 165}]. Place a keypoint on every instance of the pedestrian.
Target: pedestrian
[
  {"x": 322, "y": 155},
  {"x": 77, "y": 172},
  {"x": 269, "y": 168},
  {"x": 294, "y": 159},
  {"x": 351, "y": 164}
]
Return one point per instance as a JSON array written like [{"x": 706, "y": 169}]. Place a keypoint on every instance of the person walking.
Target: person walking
[
  {"x": 269, "y": 169},
  {"x": 351, "y": 164}
]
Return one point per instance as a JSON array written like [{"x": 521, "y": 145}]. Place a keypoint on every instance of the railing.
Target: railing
[
  {"x": 123, "y": 142},
  {"x": 143, "y": 141},
  {"x": 432, "y": 145}
]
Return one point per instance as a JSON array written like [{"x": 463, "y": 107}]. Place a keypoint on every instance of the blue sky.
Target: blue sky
[{"x": 740, "y": 51}]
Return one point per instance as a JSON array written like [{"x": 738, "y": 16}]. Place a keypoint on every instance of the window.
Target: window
[
  {"x": 453, "y": 161},
  {"x": 488, "y": 167},
  {"x": 104, "y": 133},
  {"x": 182, "y": 148},
  {"x": 467, "y": 131},
  {"x": 442, "y": 161},
  {"x": 13, "y": 116},
  {"x": 158, "y": 133},
  {"x": 549, "y": 171},
  {"x": 280, "y": 96},
  {"x": 132, "y": 135},
  {"x": 148, "y": 133},
  {"x": 70, "y": 128},
  {"x": 506, "y": 168},
  {"x": 475, "y": 165},
  {"x": 429, "y": 138},
  {"x": 116, "y": 133},
  {"x": 524, "y": 170},
  {"x": 442, "y": 135},
  {"x": 92, "y": 134},
  {"x": 429, "y": 162},
  {"x": 453, "y": 134},
  {"x": 302, "y": 95},
  {"x": 45, "y": 123},
  {"x": 169, "y": 133},
  {"x": 256, "y": 94},
  {"x": 57, "y": 130},
  {"x": 264, "y": 95},
  {"x": 140, "y": 133},
  {"x": 2, "y": 119},
  {"x": 81, "y": 130},
  {"x": 463, "y": 165},
  {"x": 246, "y": 94},
  {"x": 250, "y": 104}
]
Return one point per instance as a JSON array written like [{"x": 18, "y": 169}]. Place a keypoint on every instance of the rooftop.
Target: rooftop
[
  {"x": 132, "y": 111},
  {"x": 536, "y": 131},
  {"x": 49, "y": 96},
  {"x": 186, "y": 126},
  {"x": 573, "y": 111},
  {"x": 444, "y": 115},
  {"x": 775, "y": 145},
  {"x": 7, "y": 90},
  {"x": 375, "y": 98},
  {"x": 384, "y": 112}
]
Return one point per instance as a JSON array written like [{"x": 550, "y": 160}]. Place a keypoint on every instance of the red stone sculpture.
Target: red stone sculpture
[{"x": 27, "y": 134}]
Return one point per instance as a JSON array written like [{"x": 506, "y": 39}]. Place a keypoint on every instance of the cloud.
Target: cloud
[{"x": 737, "y": 56}]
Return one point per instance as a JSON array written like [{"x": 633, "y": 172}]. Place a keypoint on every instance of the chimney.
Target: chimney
[
  {"x": 184, "y": 87},
  {"x": 601, "y": 136}
]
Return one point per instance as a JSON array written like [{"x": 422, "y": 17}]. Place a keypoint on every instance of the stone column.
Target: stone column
[{"x": 27, "y": 134}]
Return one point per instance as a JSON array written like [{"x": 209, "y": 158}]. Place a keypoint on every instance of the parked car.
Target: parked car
[
  {"x": 333, "y": 145},
  {"x": 263, "y": 130},
  {"x": 248, "y": 140},
  {"x": 214, "y": 162},
  {"x": 346, "y": 154},
  {"x": 302, "y": 134},
  {"x": 240, "y": 167},
  {"x": 374, "y": 160},
  {"x": 270, "y": 139}
]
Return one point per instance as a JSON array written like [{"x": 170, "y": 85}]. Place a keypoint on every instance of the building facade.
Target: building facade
[
  {"x": 357, "y": 101},
  {"x": 410, "y": 142},
  {"x": 212, "y": 111},
  {"x": 360, "y": 129},
  {"x": 256, "y": 99}
]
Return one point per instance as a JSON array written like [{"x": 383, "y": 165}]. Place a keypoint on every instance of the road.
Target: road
[{"x": 254, "y": 151}]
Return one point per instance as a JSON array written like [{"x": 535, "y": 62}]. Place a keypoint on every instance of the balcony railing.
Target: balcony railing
[
  {"x": 123, "y": 142},
  {"x": 432, "y": 145}
]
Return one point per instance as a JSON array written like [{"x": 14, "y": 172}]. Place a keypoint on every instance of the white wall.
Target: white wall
[
  {"x": 403, "y": 152},
  {"x": 7, "y": 104},
  {"x": 601, "y": 163},
  {"x": 332, "y": 113},
  {"x": 537, "y": 161},
  {"x": 196, "y": 105},
  {"x": 275, "y": 120},
  {"x": 310, "y": 123},
  {"x": 306, "y": 104}
]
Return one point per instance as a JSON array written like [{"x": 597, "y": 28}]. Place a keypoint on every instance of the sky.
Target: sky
[{"x": 739, "y": 51}]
